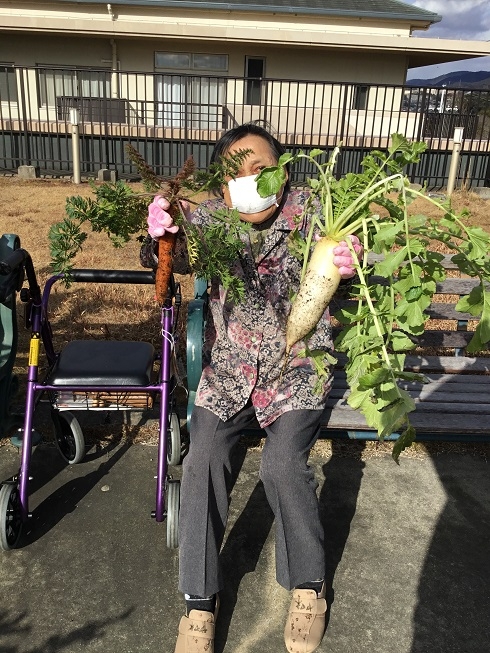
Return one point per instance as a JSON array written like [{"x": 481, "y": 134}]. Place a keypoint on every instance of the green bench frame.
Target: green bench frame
[{"x": 10, "y": 285}]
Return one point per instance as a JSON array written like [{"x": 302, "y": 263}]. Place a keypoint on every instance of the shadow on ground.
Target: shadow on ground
[
  {"x": 453, "y": 608},
  {"x": 70, "y": 641}
]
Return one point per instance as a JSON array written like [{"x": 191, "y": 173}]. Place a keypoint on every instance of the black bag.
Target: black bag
[{"x": 148, "y": 253}]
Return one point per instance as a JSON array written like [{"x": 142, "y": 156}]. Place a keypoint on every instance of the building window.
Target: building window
[
  {"x": 254, "y": 73},
  {"x": 8, "y": 83},
  {"x": 191, "y": 61},
  {"x": 188, "y": 100},
  {"x": 215, "y": 62},
  {"x": 173, "y": 60},
  {"x": 72, "y": 83},
  {"x": 360, "y": 97}
]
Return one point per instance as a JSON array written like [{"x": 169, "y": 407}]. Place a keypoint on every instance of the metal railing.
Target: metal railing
[{"x": 168, "y": 117}]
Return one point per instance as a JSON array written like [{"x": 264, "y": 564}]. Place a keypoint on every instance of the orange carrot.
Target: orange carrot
[
  {"x": 164, "y": 268},
  {"x": 163, "y": 272}
]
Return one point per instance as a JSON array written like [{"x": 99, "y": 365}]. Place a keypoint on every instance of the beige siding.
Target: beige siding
[
  {"x": 138, "y": 55},
  {"x": 35, "y": 49},
  {"x": 254, "y": 31},
  {"x": 321, "y": 105}
]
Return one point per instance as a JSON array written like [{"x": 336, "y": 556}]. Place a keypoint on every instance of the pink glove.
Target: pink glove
[
  {"x": 159, "y": 221},
  {"x": 343, "y": 257}
]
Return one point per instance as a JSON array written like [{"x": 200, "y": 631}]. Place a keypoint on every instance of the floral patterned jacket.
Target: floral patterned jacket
[{"x": 245, "y": 342}]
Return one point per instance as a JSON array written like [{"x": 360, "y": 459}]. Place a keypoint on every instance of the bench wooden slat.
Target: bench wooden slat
[
  {"x": 480, "y": 409},
  {"x": 448, "y": 364},
  {"x": 434, "y": 378},
  {"x": 456, "y": 286},
  {"x": 462, "y": 383},
  {"x": 445, "y": 339},
  {"x": 436, "y": 311},
  {"x": 450, "y": 286},
  {"x": 446, "y": 261},
  {"x": 430, "y": 396},
  {"x": 441, "y": 364},
  {"x": 449, "y": 382},
  {"x": 345, "y": 418},
  {"x": 451, "y": 407},
  {"x": 434, "y": 339},
  {"x": 442, "y": 311}
]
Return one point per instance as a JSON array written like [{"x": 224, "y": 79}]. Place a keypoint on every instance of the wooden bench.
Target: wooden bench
[{"x": 453, "y": 405}]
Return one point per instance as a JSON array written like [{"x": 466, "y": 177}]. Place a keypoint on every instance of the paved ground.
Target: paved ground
[{"x": 407, "y": 555}]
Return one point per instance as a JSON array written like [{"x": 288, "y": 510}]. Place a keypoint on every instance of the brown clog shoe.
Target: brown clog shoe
[
  {"x": 196, "y": 632},
  {"x": 305, "y": 625}
]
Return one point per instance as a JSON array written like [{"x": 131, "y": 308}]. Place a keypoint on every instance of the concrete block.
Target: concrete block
[
  {"x": 107, "y": 175},
  {"x": 28, "y": 172},
  {"x": 482, "y": 191}
]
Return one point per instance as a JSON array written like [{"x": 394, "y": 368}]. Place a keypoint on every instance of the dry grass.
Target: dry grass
[
  {"x": 28, "y": 208},
  {"x": 100, "y": 311}
]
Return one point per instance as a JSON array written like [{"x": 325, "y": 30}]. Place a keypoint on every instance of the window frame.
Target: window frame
[
  {"x": 253, "y": 85},
  {"x": 8, "y": 69},
  {"x": 76, "y": 84},
  {"x": 192, "y": 58},
  {"x": 360, "y": 97}
]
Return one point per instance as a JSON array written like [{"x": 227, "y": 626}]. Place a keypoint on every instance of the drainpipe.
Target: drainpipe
[{"x": 115, "y": 79}]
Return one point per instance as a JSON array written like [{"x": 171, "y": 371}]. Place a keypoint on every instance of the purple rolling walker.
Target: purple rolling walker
[{"x": 95, "y": 375}]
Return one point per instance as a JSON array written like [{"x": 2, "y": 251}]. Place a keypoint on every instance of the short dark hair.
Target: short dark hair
[{"x": 230, "y": 137}]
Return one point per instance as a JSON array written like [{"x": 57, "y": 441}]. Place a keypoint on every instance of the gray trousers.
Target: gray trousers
[{"x": 289, "y": 484}]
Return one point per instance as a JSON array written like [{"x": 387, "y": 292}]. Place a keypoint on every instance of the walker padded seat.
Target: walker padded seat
[{"x": 104, "y": 363}]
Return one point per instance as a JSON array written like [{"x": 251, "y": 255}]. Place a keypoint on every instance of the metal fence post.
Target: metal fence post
[
  {"x": 75, "y": 144},
  {"x": 453, "y": 168}
]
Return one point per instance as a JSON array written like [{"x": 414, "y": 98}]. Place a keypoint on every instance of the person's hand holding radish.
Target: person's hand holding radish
[{"x": 343, "y": 258}]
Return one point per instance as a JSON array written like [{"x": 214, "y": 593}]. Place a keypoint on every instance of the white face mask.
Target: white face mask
[{"x": 245, "y": 198}]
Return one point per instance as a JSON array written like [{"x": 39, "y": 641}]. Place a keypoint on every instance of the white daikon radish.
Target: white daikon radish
[{"x": 319, "y": 285}]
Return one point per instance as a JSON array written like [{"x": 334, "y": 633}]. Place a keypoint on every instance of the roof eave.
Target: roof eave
[{"x": 421, "y": 16}]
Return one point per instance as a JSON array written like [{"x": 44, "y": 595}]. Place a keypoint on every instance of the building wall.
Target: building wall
[{"x": 138, "y": 55}]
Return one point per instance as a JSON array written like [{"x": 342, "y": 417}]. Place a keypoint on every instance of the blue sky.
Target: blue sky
[{"x": 461, "y": 19}]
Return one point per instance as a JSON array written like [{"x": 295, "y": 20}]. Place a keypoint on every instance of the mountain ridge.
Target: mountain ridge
[{"x": 457, "y": 79}]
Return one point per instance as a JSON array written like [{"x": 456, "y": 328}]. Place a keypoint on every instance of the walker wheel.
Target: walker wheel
[
  {"x": 173, "y": 508},
  {"x": 68, "y": 436},
  {"x": 10, "y": 517},
  {"x": 174, "y": 441}
]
